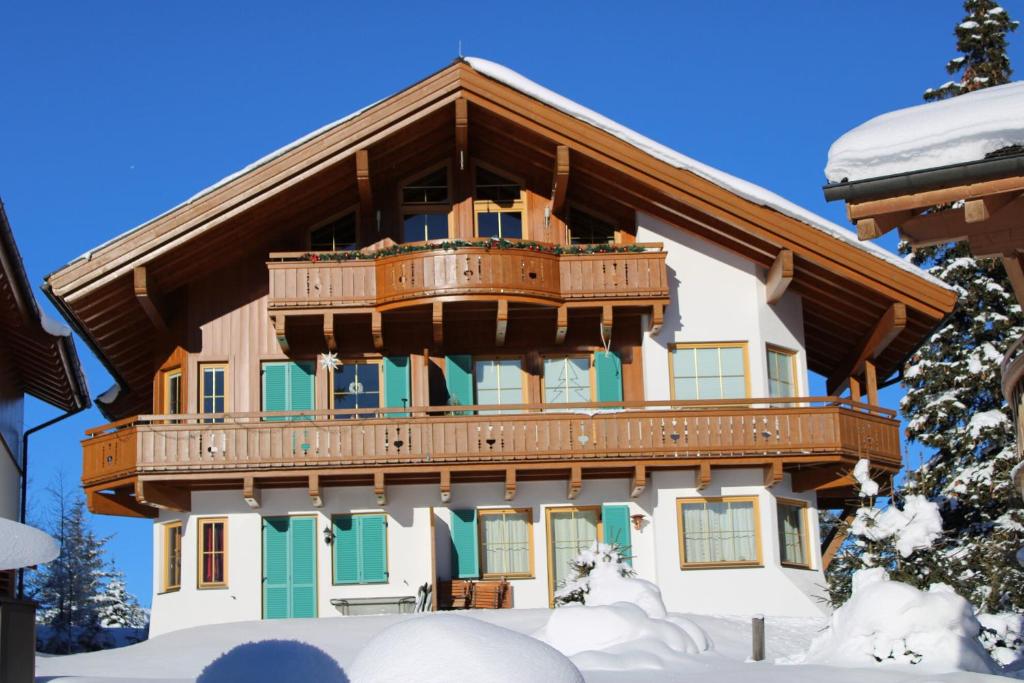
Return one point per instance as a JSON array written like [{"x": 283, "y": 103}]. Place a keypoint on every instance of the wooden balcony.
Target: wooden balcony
[
  {"x": 315, "y": 282},
  {"x": 225, "y": 450}
]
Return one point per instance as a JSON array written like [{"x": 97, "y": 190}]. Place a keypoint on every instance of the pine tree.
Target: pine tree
[
  {"x": 981, "y": 41},
  {"x": 117, "y": 607}
]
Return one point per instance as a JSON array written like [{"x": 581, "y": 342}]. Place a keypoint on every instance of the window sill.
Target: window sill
[
  {"x": 722, "y": 565},
  {"x": 507, "y": 577},
  {"x": 361, "y": 583},
  {"x": 211, "y": 586},
  {"x": 165, "y": 591},
  {"x": 789, "y": 565}
]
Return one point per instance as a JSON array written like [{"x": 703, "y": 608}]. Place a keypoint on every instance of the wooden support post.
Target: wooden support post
[
  {"x": 560, "y": 184},
  {"x": 874, "y": 343},
  {"x": 780, "y": 275},
  {"x": 250, "y": 492},
  {"x": 379, "y": 491},
  {"x": 446, "y": 486},
  {"x": 871, "y": 382},
  {"x": 366, "y": 217},
  {"x": 657, "y": 318},
  {"x": 502, "y": 323},
  {"x": 377, "y": 330},
  {"x": 163, "y": 496},
  {"x": 772, "y": 474},
  {"x": 757, "y": 627},
  {"x": 280, "y": 330},
  {"x": 1011, "y": 262},
  {"x": 149, "y": 299},
  {"x": 639, "y": 481},
  {"x": 607, "y": 313},
  {"x": 836, "y": 539},
  {"x": 854, "y": 389},
  {"x": 510, "y": 483},
  {"x": 561, "y": 324},
  {"x": 462, "y": 185},
  {"x": 575, "y": 482},
  {"x": 332, "y": 344},
  {"x": 703, "y": 476},
  {"x": 314, "y": 491},
  {"x": 437, "y": 321}
]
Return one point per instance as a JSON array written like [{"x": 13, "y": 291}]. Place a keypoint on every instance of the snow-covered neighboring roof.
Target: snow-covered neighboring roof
[
  {"x": 24, "y": 545},
  {"x": 950, "y": 131}
]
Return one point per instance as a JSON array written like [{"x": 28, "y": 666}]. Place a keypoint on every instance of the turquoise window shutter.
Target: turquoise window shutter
[
  {"x": 615, "y": 520},
  {"x": 346, "y": 550},
  {"x": 465, "y": 556},
  {"x": 373, "y": 548},
  {"x": 301, "y": 390},
  {"x": 608, "y": 370},
  {"x": 275, "y": 387},
  {"x": 396, "y": 384},
  {"x": 276, "y": 596},
  {"x": 458, "y": 374},
  {"x": 303, "y": 569}
]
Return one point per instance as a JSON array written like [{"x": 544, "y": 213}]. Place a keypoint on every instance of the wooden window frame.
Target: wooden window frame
[
  {"x": 678, "y": 346},
  {"x": 603, "y": 217},
  {"x": 165, "y": 394},
  {"x": 523, "y": 374},
  {"x": 387, "y": 553},
  {"x": 488, "y": 206},
  {"x": 805, "y": 533},
  {"x": 360, "y": 360},
  {"x": 681, "y": 538},
  {"x": 418, "y": 208},
  {"x": 793, "y": 366},
  {"x": 494, "y": 512},
  {"x": 549, "y": 356},
  {"x": 201, "y": 553},
  {"x": 165, "y": 585},
  {"x": 201, "y": 370},
  {"x": 548, "y": 537},
  {"x": 353, "y": 209}
]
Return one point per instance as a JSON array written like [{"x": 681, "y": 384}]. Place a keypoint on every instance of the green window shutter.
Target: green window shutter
[
  {"x": 346, "y": 550},
  {"x": 458, "y": 374},
  {"x": 276, "y": 596},
  {"x": 615, "y": 520},
  {"x": 275, "y": 387},
  {"x": 301, "y": 390},
  {"x": 396, "y": 384},
  {"x": 373, "y": 548},
  {"x": 303, "y": 569},
  {"x": 465, "y": 557},
  {"x": 608, "y": 370}
]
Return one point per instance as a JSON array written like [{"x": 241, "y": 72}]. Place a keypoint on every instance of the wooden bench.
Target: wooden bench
[{"x": 467, "y": 594}]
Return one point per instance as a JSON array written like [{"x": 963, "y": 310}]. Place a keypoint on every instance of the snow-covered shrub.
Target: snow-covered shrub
[
  {"x": 577, "y": 586},
  {"x": 1003, "y": 637}
]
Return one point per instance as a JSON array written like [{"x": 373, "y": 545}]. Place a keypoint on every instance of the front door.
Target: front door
[
  {"x": 570, "y": 531},
  {"x": 289, "y": 567}
]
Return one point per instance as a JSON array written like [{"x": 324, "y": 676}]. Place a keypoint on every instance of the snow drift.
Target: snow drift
[{"x": 892, "y": 623}]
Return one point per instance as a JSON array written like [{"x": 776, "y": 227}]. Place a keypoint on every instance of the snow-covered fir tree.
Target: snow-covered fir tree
[
  {"x": 117, "y": 607},
  {"x": 981, "y": 42}
]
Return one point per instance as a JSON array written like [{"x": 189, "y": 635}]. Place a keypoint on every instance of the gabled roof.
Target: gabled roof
[
  {"x": 846, "y": 285},
  {"x": 40, "y": 347}
]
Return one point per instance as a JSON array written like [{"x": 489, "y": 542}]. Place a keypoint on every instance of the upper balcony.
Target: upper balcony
[
  {"x": 818, "y": 439},
  {"x": 460, "y": 270}
]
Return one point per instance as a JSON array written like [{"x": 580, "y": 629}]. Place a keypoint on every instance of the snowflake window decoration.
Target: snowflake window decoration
[{"x": 329, "y": 361}]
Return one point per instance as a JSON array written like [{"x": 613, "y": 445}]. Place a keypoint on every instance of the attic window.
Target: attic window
[
  {"x": 425, "y": 206},
  {"x": 498, "y": 206},
  {"x": 587, "y": 229},
  {"x": 338, "y": 235}
]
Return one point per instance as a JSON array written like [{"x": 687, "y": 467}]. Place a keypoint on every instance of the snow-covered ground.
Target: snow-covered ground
[{"x": 183, "y": 655}]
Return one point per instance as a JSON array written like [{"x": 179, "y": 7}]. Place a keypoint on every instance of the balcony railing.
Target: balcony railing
[
  {"x": 453, "y": 435},
  {"x": 541, "y": 272}
]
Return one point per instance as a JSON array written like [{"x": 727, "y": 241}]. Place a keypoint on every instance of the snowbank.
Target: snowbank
[
  {"x": 951, "y": 131},
  {"x": 893, "y": 624},
  {"x": 439, "y": 648},
  {"x": 24, "y": 546}
]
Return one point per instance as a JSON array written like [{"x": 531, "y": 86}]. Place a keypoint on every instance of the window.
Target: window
[
  {"x": 587, "y": 229},
  {"x": 498, "y": 206},
  {"x": 172, "y": 556},
  {"x": 354, "y": 385},
  {"x": 338, "y": 235},
  {"x": 212, "y": 390},
  {"x": 172, "y": 392},
  {"x": 709, "y": 371},
  {"x": 499, "y": 381},
  {"x": 360, "y": 548},
  {"x": 719, "y": 532},
  {"x": 506, "y": 548},
  {"x": 570, "y": 531},
  {"x": 793, "y": 533},
  {"x": 425, "y": 207},
  {"x": 567, "y": 380},
  {"x": 213, "y": 553},
  {"x": 781, "y": 373}
]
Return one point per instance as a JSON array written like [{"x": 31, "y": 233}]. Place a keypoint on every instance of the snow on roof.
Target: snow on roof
[
  {"x": 950, "y": 131},
  {"x": 738, "y": 186},
  {"x": 25, "y": 545}
]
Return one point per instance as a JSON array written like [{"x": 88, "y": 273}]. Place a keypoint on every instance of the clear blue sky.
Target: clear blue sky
[{"x": 112, "y": 112}]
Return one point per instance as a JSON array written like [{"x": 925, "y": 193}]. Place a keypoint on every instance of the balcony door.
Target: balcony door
[
  {"x": 289, "y": 567},
  {"x": 499, "y": 381}
]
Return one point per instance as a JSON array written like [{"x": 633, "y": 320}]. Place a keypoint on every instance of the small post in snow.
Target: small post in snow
[{"x": 757, "y": 624}]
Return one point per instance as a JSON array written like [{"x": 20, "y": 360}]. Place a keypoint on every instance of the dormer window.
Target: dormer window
[
  {"x": 585, "y": 228},
  {"x": 498, "y": 206},
  {"x": 337, "y": 235},
  {"x": 425, "y": 207}
]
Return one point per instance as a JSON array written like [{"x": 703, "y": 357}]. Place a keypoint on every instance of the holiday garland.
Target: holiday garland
[{"x": 451, "y": 245}]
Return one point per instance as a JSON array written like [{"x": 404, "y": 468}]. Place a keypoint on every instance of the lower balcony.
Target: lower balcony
[{"x": 156, "y": 460}]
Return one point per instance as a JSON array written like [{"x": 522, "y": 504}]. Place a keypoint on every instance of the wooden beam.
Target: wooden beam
[
  {"x": 461, "y": 134},
  {"x": 502, "y": 323},
  {"x": 780, "y": 275},
  {"x": 814, "y": 479},
  {"x": 657, "y": 318},
  {"x": 924, "y": 200},
  {"x": 639, "y": 481},
  {"x": 772, "y": 474},
  {"x": 836, "y": 539},
  {"x": 876, "y": 226},
  {"x": 560, "y": 185},
  {"x": 561, "y": 324},
  {"x": 118, "y": 503},
  {"x": 366, "y": 217},
  {"x": 446, "y": 486},
  {"x": 251, "y": 492},
  {"x": 314, "y": 490},
  {"x": 377, "y": 330},
  {"x": 854, "y": 389},
  {"x": 1012, "y": 264},
  {"x": 575, "y": 482},
  {"x": 280, "y": 330},
  {"x": 332, "y": 344},
  {"x": 163, "y": 496},
  {"x": 888, "y": 327},
  {"x": 984, "y": 208},
  {"x": 607, "y": 318},
  {"x": 148, "y": 296},
  {"x": 703, "y": 476},
  {"x": 379, "y": 490},
  {"x": 437, "y": 322},
  {"x": 871, "y": 382},
  {"x": 928, "y": 230},
  {"x": 510, "y": 483}
]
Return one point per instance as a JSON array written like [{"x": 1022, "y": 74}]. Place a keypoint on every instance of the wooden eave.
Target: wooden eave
[{"x": 844, "y": 288}]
